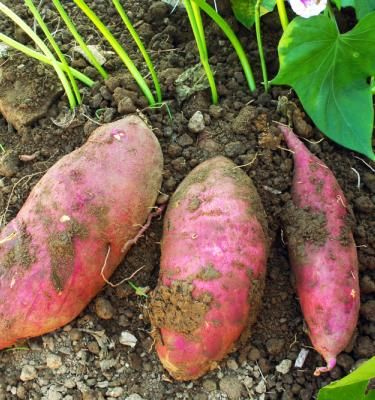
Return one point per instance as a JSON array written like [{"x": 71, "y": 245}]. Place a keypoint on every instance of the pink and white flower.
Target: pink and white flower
[{"x": 308, "y": 8}]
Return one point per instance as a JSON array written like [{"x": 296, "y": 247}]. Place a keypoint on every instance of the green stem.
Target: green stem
[
  {"x": 198, "y": 20},
  {"x": 373, "y": 85},
  {"x": 202, "y": 49},
  {"x": 90, "y": 56},
  {"x": 331, "y": 13},
  {"x": 39, "y": 42},
  {"x": 141, "y": 47},
  {"x": 232, "y": 38},
  {"x": 282, "y": 13},
  {"x": 118, "y": 49},
  {"x": 260, "y": 45},
  {"x": 39, "y": 56},
  {"x": 54, "y": 45}
]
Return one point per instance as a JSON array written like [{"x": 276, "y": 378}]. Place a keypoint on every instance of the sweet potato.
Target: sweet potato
[
  {"x": 213, "y": 264},
  {"x": 76, "y": 221},
  {"x": 322, "y": 253}
]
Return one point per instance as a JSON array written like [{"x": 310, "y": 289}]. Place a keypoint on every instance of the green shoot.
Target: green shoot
[
  {"x": 282, "y": 13},
  {"x": 139, "y": 291},
  {"x": 197, "y": 27},
  {"x": 39, "y": 42},
  {"x": 90, "y": 56},
  {"x": 54, "y": 45},
  {"x": 19, "y": 348},
  {"x": 161, "y": 105},
  {"x": 141, "y": 47},
  {"x": 232, "y": 38},
  {"x": 260, "y": 45},
  {"x": 41, "y": 57},
  {"x": 198, "y": 19},
  {"x": 373, "y": 86},
  {"x": 2, "y": 148},
  {"x": 118, "y": 49},
  {"x": 99, "y": 112}
]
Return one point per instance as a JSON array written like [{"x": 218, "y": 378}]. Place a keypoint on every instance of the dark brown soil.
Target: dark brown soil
[
  {"x": 173, "y": 308},
  {"x": 86, "y": 359}
]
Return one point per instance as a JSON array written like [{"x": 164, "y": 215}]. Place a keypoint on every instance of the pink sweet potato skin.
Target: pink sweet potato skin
[
  {"x": 326, "y": 272},
  {"x": 90, "y": 202},
  {"x": 215, "y": 243}
]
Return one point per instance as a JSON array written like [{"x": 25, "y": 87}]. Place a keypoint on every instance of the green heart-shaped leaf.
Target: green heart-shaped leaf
[
  {"x": 352, "y": 386},
  {"x": 329, "y": 72},
  {"x": 364, "y": 7},
  {"x": 244, "y": 10}
]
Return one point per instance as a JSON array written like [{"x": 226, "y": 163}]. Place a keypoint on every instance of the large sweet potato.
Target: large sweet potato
[
  {"x": 81, "y": 213},
  {"x": 213, "y": 264},
  {"x": 322, "y": 253}
]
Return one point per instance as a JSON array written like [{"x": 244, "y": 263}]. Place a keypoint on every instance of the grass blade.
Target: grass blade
[
  {"x": 54, "y": 45},
  {"x": 141, "y": 47},
  {"x": 202, "y": 48},
  {"x": 260, "y": 46},
  {"x": 220, "y": 21},
  {"x": 118, "y": 49},
  {"x": 90, "y": 56},
  {"x": 41, "y": 57},
  {"x": 39, "y": 42}
]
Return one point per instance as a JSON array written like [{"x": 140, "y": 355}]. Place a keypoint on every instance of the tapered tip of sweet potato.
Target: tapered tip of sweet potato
[{"x": 331, "y": 363}]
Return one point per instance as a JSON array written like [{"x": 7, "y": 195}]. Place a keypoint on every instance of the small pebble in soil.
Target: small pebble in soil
[
  {"x": 209, "y": 385},
  {"x": 254, "y": 354},
  {"x": 128, "y": 339},
  {"x": 126, "y": 106},
  {"x": 216, "y": 111},
  {"x": 28, "y": 373},
  {"x": 134, "y": 396},
  {"x": 231, "y": 386},
  {"x": 115, "y": 392},
  {"x": 241, "y": 124},
  {"x": 53, "y": 361},
  {"x": 103, "y": 308},
  {"x": 9, "y": 163},
  {"x": 261, "y": 387},
  {"x": 196, "y": 122},
  {"x": 284, "y": 366}
]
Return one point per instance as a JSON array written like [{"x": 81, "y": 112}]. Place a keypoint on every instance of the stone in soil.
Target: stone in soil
[
  {"x": 28, "y": 373},
  {"x": 26, "y": 97},
  {"x": 9, "y": 164},
  {"x": 103, "y": 308},
  {"x": 231, "y": 386},
  {"x": 196, "y": 122},
  {"x": 53, "y": 361},
  {"x": 284, "y": 366}
]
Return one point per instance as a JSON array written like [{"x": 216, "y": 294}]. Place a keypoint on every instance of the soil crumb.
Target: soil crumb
[
  {"x": 175, "y": 308},
  {"x": 208, "y": 273},
  {"x": 21, "y": 253},
  {"x": 301, "y": 226},
  {"x": 61, "y": 250}
]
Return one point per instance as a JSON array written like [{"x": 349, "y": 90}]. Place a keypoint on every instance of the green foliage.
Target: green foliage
[
  {"x": 244, "y": 10},
  {"x": 352, "y": 386},
  {"x": 363, "y": 7},
  {"x": 330, "y": 72}
]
